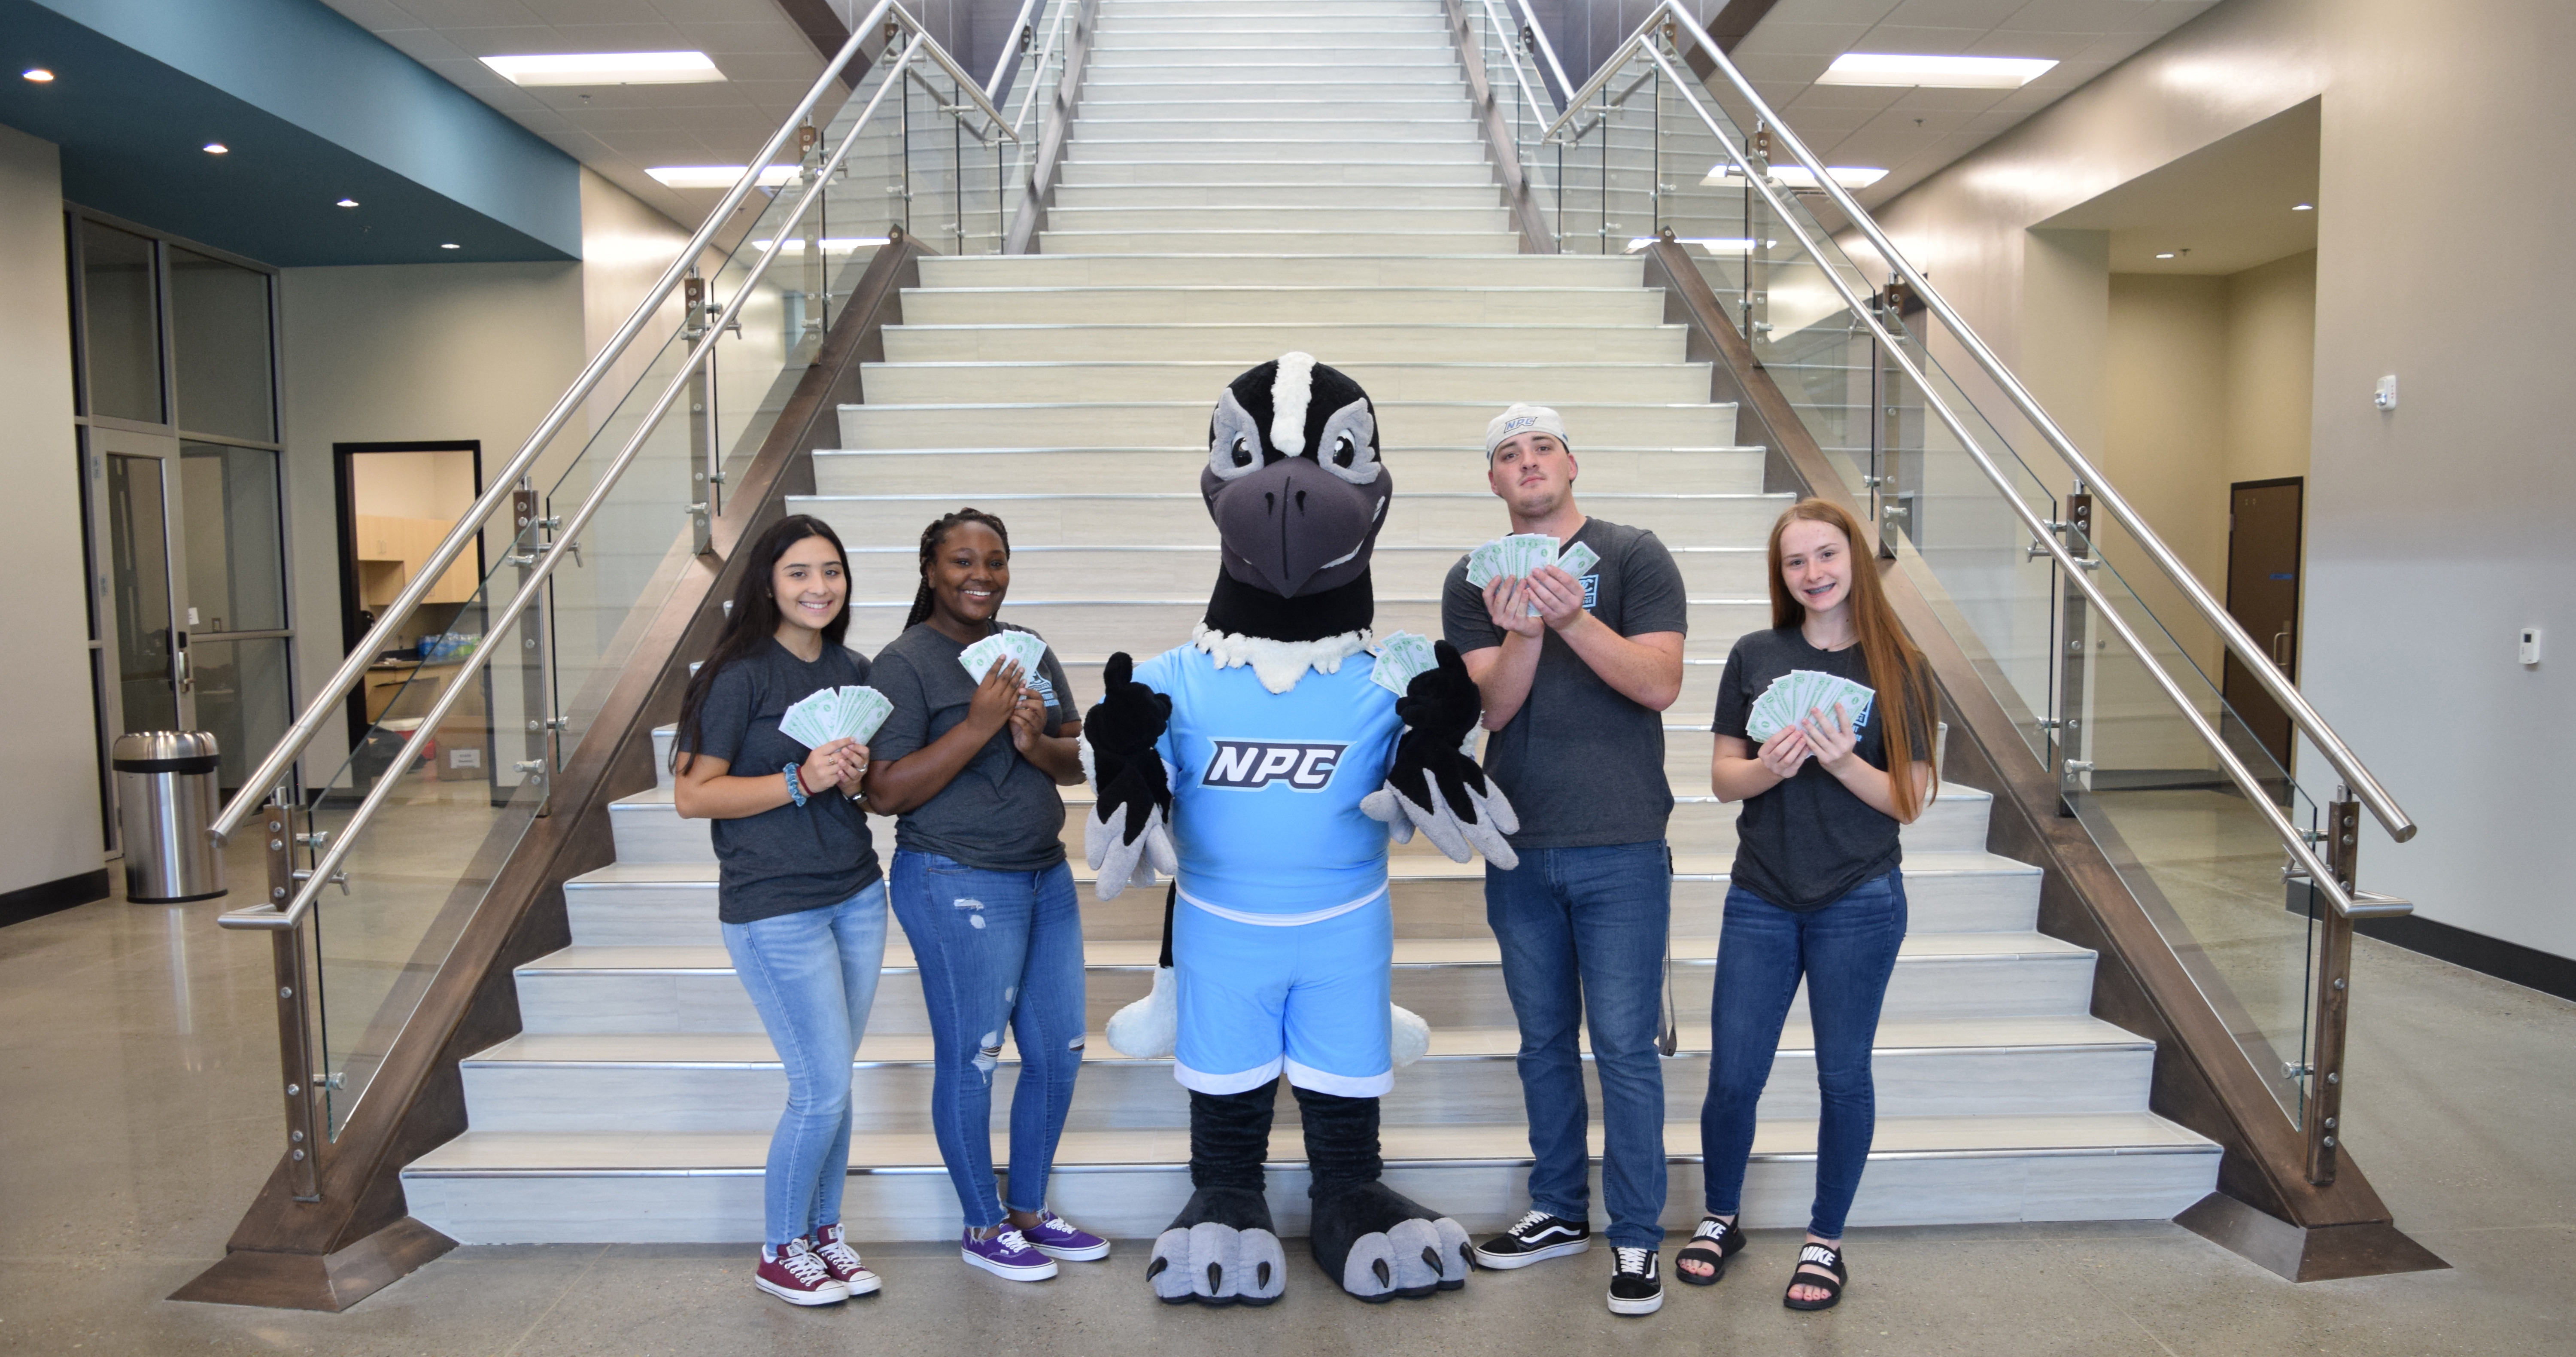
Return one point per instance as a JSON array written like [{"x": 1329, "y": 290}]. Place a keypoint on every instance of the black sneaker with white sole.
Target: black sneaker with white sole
[
  {"x": 1538, "y": 1236},
  {"x": 1636, "y": 1281}
]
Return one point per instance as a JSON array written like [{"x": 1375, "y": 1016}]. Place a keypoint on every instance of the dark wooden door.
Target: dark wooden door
[{"x": 2263, "y": 596}]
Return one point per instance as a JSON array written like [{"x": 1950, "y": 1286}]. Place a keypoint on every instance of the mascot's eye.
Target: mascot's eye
[
  {"x": 1234, "y": 440},
  {"x": 1350, "y": 443}
]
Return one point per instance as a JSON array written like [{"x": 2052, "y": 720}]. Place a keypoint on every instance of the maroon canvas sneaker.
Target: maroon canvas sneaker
[
  {"x": 833, "y": 1247},
  {"x": 797, "y": 1275}
]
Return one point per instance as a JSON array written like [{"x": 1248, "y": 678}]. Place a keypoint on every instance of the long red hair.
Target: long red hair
[{"x": 1896, "y": 668}]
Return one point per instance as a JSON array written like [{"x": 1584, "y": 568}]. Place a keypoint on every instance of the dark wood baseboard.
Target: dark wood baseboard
[
  {"x": 317, "y": 1281},
  {"x": 2321, "y": 1254},
  {"x": 2546, "y": 972},
  {"x": 52, "y": 897}
]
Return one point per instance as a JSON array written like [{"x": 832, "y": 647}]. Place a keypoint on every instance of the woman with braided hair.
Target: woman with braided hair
[{"x": 970, "y": 765}]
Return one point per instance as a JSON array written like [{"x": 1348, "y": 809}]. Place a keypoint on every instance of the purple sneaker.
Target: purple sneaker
[
  {"x": 1057, "y": 1238},
  {"x": 1007, "y": 1255}
]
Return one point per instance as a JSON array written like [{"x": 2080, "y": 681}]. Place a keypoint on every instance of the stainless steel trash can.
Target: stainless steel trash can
[{"x": 165, "y": 798}]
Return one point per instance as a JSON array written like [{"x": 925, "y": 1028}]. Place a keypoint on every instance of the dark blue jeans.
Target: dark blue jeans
[
  {"x": 1583, "y": 933},
  {"x": 1846, "y": 950},
  {"x": 996, "y": 950}
]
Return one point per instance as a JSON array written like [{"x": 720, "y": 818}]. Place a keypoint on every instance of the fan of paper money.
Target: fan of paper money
[
  {"x": 828, "y": 714},
  {"x": 1515, "y": 556},
  {"x": 1400, "y": 656},
  {"x": 1020, "y": 647},
  {"x": 1792, "y": 695}
]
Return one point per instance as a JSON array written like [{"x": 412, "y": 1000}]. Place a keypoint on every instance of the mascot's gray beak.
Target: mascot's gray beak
[{"x": 1294, "y": 527}]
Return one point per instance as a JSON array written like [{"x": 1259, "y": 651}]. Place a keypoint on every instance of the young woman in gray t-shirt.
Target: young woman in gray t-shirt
[
  {"x": 971, "y": 765},
  {"x": 799, "y": 895}
]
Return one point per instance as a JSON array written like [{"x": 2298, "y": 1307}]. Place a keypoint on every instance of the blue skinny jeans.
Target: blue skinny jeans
[
  {"x": 996, "y": 950},
  {"x": 812, "y": 975},
  {"x": 1846, "y": 950},
  {"x": 1583, "y": 933}
]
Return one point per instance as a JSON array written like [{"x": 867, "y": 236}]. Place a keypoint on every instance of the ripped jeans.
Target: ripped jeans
[{"x": 997, "y": 950}]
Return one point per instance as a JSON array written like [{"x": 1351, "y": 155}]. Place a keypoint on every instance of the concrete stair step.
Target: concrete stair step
[
  {"x": 1349, "y": 274},
  {"x": 1278, "y": 303},
  {"x": 1228, "y": 241},
  {"x": 1496, "y": 383},
  {"x": 1248, "y": 197},
  {"x": 888, "y": 573},
  {"x": 1312, "y": 216},
  {"x": 647, "y": 1188},
  {"x": 728, "y": 1082},
  {"x": 967, "y": 472},
  {"x": 1166, "y": 422},
  {"x": 1348, "y": 346},
  {"x": 1184, "y": 122},
  {"x": 1423, "y": 518},
  {"x": 1272, "y": 149},
  {"x": 1449, "y": 981},
  {"x": 1305, "y": 169}
]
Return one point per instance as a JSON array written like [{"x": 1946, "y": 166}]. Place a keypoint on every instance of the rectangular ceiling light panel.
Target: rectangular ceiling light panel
[
  {"x": 1934, "y": 72},
  {"x": 718, "y": 176},
  {"x": 607, "y": 68}
]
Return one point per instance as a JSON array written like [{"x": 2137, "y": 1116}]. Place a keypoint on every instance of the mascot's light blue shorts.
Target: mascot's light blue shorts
[{"x": 1308, "y": 1000}]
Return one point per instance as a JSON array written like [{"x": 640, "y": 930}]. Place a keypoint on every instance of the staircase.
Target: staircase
[{"x": 1247, "y": 178}]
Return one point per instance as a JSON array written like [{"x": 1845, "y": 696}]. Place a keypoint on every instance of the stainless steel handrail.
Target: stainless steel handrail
[
  {"x": 266, "y": 916},
  {"x": 2256, "y": 795},
  {"x": 2348, "y": 765},
  {"x": 1548, "y": 49},
  {"x": 1010, "y": 48},
  {"x": 1494, "y": 16},
  {"x": 326, "y": 700},
  {"x": 1046, "y": 53}
]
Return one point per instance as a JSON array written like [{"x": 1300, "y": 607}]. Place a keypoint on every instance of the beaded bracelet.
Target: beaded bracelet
[{"x": 795, "y": 786}]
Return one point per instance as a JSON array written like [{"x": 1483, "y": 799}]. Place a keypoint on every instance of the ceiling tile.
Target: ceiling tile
[
  {"x": 510, "y": 41},
  {"x": 2007, "y": 42},
  {"x": 717, "y": 39},
  {"x": 594, "y": 11},
  {"x": 767, "y": 66},
  {"x": 1954, "y": 13},
  {"x": 1825, "y": 40},
  {"x": 470, "y": 13},
  {"x": 374, "y": 15},
  {"x": 1914, "y": 38},
  {"x": 652, "y": 35},
  {"x": 2072, "y": 16}
]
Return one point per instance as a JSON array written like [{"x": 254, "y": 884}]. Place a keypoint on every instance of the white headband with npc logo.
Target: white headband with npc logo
[{"x": 1521, "y": 419}]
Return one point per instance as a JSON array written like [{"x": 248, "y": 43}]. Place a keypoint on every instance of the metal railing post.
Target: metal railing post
[
  {"x": 702, "y": 440},
  {"x": 542, "y": 722},
  {"x": 2333, "y": 995},
  {"x": 294, "y": 1006},
  {"x": 2075, "y": 648}
]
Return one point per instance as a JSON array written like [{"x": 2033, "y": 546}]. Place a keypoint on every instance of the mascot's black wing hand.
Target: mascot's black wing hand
[
  {"x": 1128, "y": 778},
  {"x": 1434, "y": 786}
]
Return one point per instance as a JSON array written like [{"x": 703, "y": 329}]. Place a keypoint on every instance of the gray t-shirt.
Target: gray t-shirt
[
  {"x": 791, "y": 857},
  {"x": 1582, "y": 763},
  {"x": 999, "y": 813},
  {"x": 1807, "y": 841}
]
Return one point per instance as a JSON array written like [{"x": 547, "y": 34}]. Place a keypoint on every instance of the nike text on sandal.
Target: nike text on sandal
[
  {"x": 1710, "y": 1246},
  {"x": 1824, "y": 1256},
  {"x": 1636, "y": 1282},
  {"x": 1536, "y": 1237}
]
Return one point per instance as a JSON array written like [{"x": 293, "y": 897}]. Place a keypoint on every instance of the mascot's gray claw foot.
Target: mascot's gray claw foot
[
  {"x": 1213, "y": 1263},
  {"x": 1120, "y": 862},
  {"x": 1410, "y": 1253}
]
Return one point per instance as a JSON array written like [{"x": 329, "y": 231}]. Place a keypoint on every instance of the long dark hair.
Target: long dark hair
[
  {"x": 1896, "y": 668},
  {"x": 753, "y": 619},
  {"x": 930, "y": 539}
]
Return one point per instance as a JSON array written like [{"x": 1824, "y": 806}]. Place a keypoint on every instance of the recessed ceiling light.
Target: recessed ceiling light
[
  {"x": 218, "y": 148},
  {"x": 718, "y": 176},
  {"x": 38, "y": 74},
  {"x": 348, "y": 202},
  {"x": 2166, "y": 255},
  {"x": 2303, "y": 207},
  {"x": 451, "y": 245},
  {"x": 1934, "y": 72},
  {"x": 1799, "y": 176},
  {"x": 607, "y": 68}
]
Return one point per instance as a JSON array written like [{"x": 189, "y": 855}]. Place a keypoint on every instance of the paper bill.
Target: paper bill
[{"x": 1400, "y": 657}]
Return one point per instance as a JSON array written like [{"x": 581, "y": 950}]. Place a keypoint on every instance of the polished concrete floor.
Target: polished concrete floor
[{"x": 138, "y": 1047}]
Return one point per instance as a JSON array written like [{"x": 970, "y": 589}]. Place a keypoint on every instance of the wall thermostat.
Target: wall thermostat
[
  {"x": 2531, "y": 645},
  {"x": 2385, "y": 394}
]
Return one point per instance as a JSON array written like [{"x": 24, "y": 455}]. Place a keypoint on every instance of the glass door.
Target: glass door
[{"x": 145, "y": 651}]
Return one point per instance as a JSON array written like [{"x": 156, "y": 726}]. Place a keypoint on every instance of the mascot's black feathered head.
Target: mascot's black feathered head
[{"x": 1298, "y": 494}]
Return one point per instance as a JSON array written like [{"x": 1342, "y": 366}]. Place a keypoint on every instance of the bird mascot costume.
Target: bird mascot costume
[{"x": 1263, "y": 768}]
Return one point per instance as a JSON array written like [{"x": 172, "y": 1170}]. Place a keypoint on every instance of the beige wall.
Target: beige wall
[
  {"x": 2271, "y": 368},
  {"x": 2436, "y": 530},
  {"x": 49, "y": 806},
  {"x": 437, "y": 352}
]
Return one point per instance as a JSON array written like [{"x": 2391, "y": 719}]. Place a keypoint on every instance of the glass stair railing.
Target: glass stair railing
[
  {"x": 582, "y": 539},
  {"x": 2086, "y": 629}
]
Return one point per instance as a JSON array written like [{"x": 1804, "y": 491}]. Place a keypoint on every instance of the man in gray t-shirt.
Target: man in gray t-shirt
[{"x": 1574, "y": 697}]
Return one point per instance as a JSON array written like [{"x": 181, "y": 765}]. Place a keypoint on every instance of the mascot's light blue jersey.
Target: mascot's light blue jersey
[{"x": 1266, "y": 803}]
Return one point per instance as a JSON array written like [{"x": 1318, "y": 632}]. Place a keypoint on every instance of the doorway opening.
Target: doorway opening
[{"x": 396, "y": 502}]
